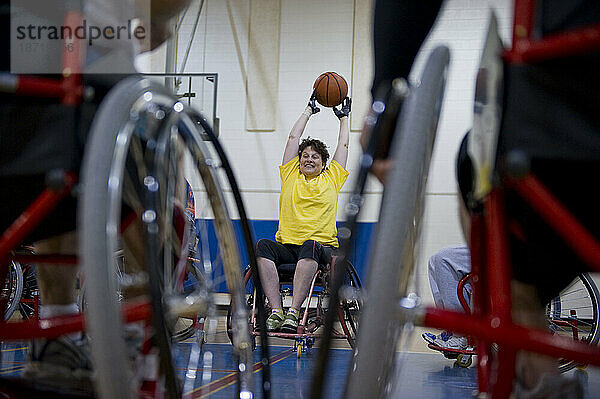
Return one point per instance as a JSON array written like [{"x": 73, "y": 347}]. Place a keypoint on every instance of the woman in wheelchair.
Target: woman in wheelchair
[{"x": 307, "y": 232}]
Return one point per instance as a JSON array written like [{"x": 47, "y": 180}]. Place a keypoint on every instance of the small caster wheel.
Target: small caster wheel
[
  {"x": 464, "y": 360},
  {"x": 310, "y": 342},
  {"x": 298, "y": 351}
]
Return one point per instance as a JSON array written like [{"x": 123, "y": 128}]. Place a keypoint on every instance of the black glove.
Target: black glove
[
  {"x": 345, "y": 110},
  {"x": 312, "y": 103}
]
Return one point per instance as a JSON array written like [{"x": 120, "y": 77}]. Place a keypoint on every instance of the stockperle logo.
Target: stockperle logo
[{"x": 98, "y": 36}]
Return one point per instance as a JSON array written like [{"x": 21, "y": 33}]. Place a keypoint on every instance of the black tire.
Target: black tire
[
  {"x": 249, "y": 295},
  {"x": 391, "y": 262},
  {"x": 351, "y": 304},
  {"x": 579, "y": 302},
  {"x": 133, "y": 164},
  {"x": 12, "y": 289}
]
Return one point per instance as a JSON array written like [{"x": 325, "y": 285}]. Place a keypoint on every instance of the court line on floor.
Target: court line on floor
[
  {"x": 224, "y": 382},
  {"x": 11, "y": 370},
  {"x": 15, "y": 349}
]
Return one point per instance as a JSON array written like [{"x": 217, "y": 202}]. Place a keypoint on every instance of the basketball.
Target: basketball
[{"x": 330, "y": 89}]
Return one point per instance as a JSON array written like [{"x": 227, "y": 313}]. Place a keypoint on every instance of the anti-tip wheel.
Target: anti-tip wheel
[{"x": 464, "y": 360}]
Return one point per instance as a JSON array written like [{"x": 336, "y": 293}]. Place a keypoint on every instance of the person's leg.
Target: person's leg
[
  {"x": 270, "y": 281},
  {"x": 57, "y": 282},
  {"x": 446, "y": 268},
  {"x": 61, "y": 362},
  {"x": 309, "y": 254},
  {"x": 269, "y": 254},
  {"x": 527, "y": 310},
  {"x": 305, "y": 271}
]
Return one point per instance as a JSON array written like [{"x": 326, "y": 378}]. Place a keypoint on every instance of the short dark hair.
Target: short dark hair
[{"x": 317, "y": 146}]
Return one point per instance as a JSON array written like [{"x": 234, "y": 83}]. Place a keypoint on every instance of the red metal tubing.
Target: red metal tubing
[
  {"x": 32, "y": 216},
  {"x": 498, "y": 265},
  {"x": 72, "y": 62},
  {"x": 479, "y": 300},
  {"x": 476, "y": 247},
  {"x": 577, "y": 41},
  {"x": 56, "y": 326},
  {"x": 347, "y": 334},
  {"x": 46, "y": 258},
  {"x": 137, "y": 311},
  {"x": 513, "y": 336},
  {"x": 42, "y": 328},
  {"x": 523, "y": 19},
  {"x": 460, "y": 290},
  {"x": 560, "y": 219},
  {"x": 39, "y": 87}
]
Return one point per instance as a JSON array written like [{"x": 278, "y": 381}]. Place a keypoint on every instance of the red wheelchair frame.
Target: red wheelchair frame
[
  {"x": 68, "y": 91},
  {"x": 490, "y": 320}
]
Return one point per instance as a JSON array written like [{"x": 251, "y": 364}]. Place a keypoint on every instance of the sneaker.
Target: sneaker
[
  {"x": 446, "y": 340},
  {"x": 454, "y": 342},
  {"x": 275, "y": 320},
  {"x": 60, "y": 364},
  {"x": 435, "y": 339},
  {"x": 290, "y": 323}
]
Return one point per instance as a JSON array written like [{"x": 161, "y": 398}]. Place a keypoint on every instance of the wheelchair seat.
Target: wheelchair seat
[{"x": 286, "y": 271}]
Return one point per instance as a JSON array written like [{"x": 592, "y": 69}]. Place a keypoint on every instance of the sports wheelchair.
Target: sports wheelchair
[
  {"x": 573, "y": 313},
  {"x": 498, "y": 337},
  {"x": 317, "y": 305},
  {"x": 133, "y": 236},
  {"x": 20, "y": 291}
]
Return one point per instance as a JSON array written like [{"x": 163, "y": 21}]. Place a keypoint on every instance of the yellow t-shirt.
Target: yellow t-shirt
[{"x": 307, "y": 207}]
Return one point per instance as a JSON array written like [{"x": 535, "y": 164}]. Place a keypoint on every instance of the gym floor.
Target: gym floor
[{"x": 423, "y": 373}]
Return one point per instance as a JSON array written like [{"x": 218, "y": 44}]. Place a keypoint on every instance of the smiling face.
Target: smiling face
[{"x": 311, "y": 163}]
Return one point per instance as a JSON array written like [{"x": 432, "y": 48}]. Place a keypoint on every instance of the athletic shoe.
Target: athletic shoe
[
  {"x": 290, "y": 323},
  {"x": 60, "y": 363},
  {"x": 454, "y": 342},
  {"x": 435, "y": 339},
  {"x": 446, "y": 340},
  {"x": 275, "y": 320}
]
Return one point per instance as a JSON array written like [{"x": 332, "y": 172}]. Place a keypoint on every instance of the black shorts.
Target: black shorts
[
  {"x": 543, "y": 258},
  {"x": 551, "y": 117},
  {"x": 291, "y": 253}
]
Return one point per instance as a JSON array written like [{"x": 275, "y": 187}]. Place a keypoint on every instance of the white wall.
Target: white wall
[{"x": 317, "y": 36}]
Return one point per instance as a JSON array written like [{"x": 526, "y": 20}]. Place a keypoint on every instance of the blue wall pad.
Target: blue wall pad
[{"x": 267, "y": 229}]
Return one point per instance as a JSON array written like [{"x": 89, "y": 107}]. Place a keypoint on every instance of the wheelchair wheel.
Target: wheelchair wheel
[
  {"x": 574, "y": 313},
  {"x": 392, "y": 258},
  {"x": 12, "y": 289},
  {"x": 30, "y": 292},
  {"x": 143, "y": 146},
  {"x": 249, "y": 295},
  {"x": 350, "y": 304}
]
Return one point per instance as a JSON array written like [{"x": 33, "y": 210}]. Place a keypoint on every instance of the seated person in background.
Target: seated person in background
[
  {"x": 449, "y": 265},
  {"x": 446, "y": 268},
  {"x": 307, "y": 232}
]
